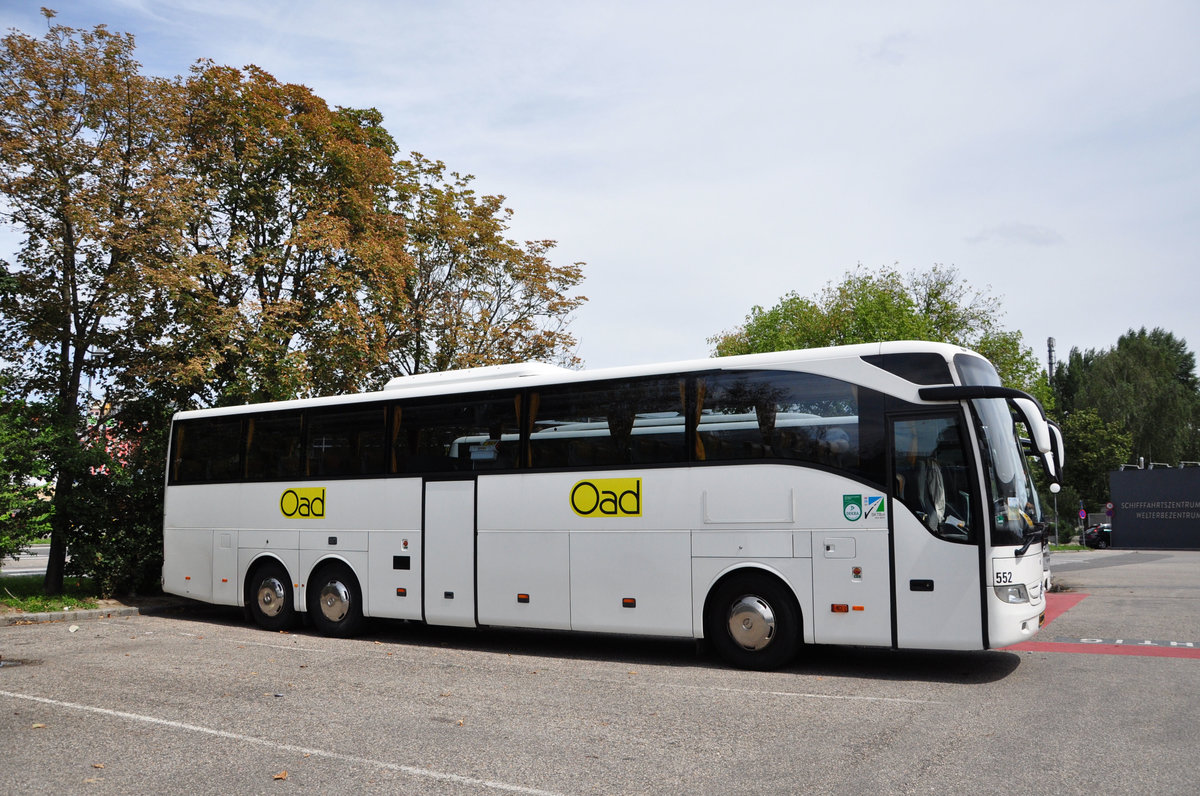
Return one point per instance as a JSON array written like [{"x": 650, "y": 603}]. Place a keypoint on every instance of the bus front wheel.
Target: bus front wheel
[
  {"x": 269, "y": 597},
  {"x": 753, "y": 621},
  {"x": 335, "y": 600}
]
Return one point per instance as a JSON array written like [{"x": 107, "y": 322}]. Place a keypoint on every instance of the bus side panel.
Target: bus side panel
[
  {"x": 188, "y": 563},
  {"x": 524, "y": 563},
  {"x": 525, "y": 579},
  {"x": 393, "y": 582},
  {"x": 634, "y": 544},
  {"x": 226, "y": 585},
  {"x": 937, "y": 588},
  {"x": 284, "y": 553},
  {"x": 851, "y": 588},
  {"x": 394, "y": 576},
  {"x": 795, "y": 572},
  {"x": 651, "y": 568},
  {"x": 781, "y": 519},
  {"x": 449, "y": 538}
]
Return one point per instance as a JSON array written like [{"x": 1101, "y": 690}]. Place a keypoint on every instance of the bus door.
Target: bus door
[
  {"x": 449, "y": 547},
  {"x": 936, "y": 534}
]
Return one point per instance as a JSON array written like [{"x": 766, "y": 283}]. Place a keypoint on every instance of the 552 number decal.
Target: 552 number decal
[{"x": 1003, "y": 578}]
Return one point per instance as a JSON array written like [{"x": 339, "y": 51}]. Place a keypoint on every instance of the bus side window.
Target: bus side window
[
  {"x": 931, "y": 477},
  {"x": 800, "y": 417},
  {"x": 445, "y": 436},
  {"x": 345, "y": 441},
  {"x": 605, "y": 424},
  {"x": 207, "y": 450},
  {"x": 273, "y": 443}
]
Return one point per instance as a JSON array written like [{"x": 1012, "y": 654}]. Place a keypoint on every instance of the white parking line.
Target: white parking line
[
  {"x": 803, "y": 695},
  {"x": 415, "y": 771},
  {"x": 290, "y": 647}
]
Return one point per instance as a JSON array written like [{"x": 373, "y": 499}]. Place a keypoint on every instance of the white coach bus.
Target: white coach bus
[{"x": 870, "y": 495}]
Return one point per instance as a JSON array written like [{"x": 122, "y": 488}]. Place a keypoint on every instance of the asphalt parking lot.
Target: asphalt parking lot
[{"x": 195, "y": 700}]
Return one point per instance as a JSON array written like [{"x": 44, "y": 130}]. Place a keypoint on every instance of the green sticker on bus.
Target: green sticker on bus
[
  {"x": 857, "y": 507},
  {"x": 852, "y": 507}
]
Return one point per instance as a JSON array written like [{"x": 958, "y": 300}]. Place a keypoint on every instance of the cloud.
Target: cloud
[{"x": 1023, "y": 234}]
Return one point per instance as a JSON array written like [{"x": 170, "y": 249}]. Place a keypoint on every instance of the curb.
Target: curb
[{"x": 16, "y": 618}]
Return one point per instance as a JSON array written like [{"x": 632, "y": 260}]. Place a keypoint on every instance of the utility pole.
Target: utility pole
[{"x": 1050, "y": 357}]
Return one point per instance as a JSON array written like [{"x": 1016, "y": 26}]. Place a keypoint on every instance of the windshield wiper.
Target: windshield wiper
[{"x": 1036, "y": 535}]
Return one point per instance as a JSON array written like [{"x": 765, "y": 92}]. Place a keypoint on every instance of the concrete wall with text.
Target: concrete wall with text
[{"x": 1156, "y": 509}]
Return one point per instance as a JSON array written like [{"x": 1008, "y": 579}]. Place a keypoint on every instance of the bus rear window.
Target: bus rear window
[{"x": 206, "y": 450}]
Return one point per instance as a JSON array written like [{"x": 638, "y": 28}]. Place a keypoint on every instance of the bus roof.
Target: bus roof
[{"x": 523, "y": 375}]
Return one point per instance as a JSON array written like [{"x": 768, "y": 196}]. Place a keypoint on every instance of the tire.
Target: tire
[
  {"x": 269, "y": 597},
  {"x": 753, "y": 622},
  {"x": 335, "y": 600},
  {"x": 1101, "y": 545}
]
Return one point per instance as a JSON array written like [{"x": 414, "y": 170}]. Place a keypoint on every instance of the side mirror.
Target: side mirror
[{"x": 1036, "y": 422}]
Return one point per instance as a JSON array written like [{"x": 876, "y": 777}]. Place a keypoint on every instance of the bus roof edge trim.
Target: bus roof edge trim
[{"x": 485, "y": 373}]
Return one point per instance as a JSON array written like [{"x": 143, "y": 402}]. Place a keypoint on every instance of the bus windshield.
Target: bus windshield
[{"x": 1015, "y": 506}]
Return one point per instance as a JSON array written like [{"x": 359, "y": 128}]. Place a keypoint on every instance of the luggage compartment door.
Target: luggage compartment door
[{"x": 450, "y": 553}]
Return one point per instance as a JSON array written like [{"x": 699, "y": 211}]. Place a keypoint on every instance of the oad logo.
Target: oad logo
[
  {"x": 306, "y": 503},
  {"x": 608, "y": 497}
]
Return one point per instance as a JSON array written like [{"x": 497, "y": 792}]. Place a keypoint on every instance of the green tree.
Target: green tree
[
  {"x": 474, "y": 297},
  {"x": 24, "y": 472},
  {"x": 1144, "y": 386},
  {"x": 86, "y": 173},
  {"x": 118, "y": 503},
  {"x": 222, "y": 239},
  {"x": 291, "y": 264},
  {"x": 867, "y": 307},
  {"x": 1095, "y": 447}
]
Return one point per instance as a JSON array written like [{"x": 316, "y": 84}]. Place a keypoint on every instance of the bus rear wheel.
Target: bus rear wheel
[
  {"x": 753, "y": 622},
  {"x": 269, "y": 597},
  {"x": 335, "y": 600}
]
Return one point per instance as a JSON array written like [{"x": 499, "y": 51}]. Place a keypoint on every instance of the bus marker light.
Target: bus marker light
[
  {"x": 224, "y": 580},
  {"x": 856, "y": 573},
  {"x": 187, "y": 577},
  {"x": 629, "y": 602},
  {"x": 840, "y": 608},
  {"x": 401, "y": 592},
  {"x": 860, "y": 608},
  {"x": 522, "y": 598}
]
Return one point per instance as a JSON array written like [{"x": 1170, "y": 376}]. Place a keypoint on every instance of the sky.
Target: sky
[{"x": 705, "y": 157}]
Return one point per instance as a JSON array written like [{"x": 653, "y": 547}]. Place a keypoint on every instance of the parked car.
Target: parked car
[{"x": 1098, "y": 536}]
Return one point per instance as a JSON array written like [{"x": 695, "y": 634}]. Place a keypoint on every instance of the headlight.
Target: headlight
[{"x": 1013, "y": 594}]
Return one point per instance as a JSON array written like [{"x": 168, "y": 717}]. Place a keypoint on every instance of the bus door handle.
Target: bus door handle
[{"x": 920, "y": 585}]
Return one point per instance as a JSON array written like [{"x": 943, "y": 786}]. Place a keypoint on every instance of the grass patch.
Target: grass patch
[
  {"x": 1066, "y": 548},
  {"x": 24, "y": 593}
]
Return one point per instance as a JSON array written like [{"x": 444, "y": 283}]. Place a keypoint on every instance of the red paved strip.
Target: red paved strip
[
  {"x": 1058, "y": 604},
  {"x": 1106, "y": 649}
]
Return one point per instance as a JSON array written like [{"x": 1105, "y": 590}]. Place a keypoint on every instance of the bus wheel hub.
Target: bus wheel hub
[
  {"x": 270, "y": 597},
  {"x": 751, "y": 622},
  {"x": 335, "y": 601}
]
